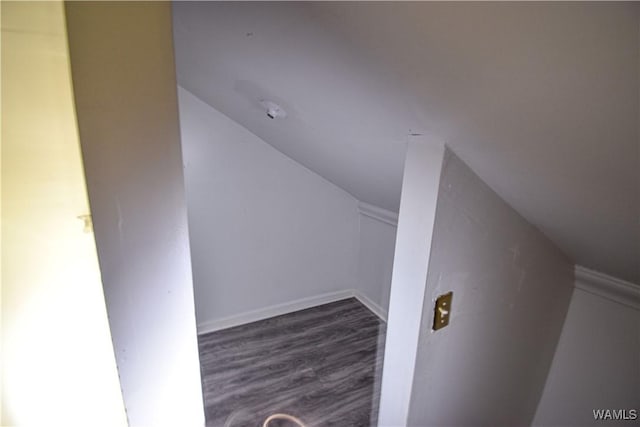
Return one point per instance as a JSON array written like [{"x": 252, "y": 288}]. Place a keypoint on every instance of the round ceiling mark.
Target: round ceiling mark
[{"x": 274, "y": 111}]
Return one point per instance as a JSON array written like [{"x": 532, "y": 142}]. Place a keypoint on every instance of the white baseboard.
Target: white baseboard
[
  {"x": 272, "y": 311},
  {"x": 289, "y": 307},
  {"x": 372, "y": 306}
]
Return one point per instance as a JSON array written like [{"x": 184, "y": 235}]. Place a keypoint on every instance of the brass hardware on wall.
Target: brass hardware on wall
[
  {"x": 88, "y": 223},
  {"x": 442, "y": 311}
]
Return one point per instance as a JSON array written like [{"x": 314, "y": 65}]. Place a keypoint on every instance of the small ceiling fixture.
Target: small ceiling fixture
[{"x": 274, "y": 111}]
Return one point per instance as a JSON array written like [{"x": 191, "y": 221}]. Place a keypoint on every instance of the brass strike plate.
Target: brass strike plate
[{"x": 442, "y": 311}]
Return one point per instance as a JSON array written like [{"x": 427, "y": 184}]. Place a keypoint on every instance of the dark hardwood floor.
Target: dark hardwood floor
[{"x": 322, "y": 365}]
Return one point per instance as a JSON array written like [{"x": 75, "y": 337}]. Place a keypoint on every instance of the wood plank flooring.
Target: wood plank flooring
[{"x": 322, "y": 365}]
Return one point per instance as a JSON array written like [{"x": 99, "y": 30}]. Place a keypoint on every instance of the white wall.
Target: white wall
[
  {"x": 125, "y": 88},
  {"x": 511, "y": 288},
  {"x": 376, "y": 246},
  {"x": 597, "y": 363},
  {"x": 58, "y": 366},
  {"x": 265, "y": 231}
]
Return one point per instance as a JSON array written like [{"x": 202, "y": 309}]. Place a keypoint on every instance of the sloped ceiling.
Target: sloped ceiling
[{"x": 541, "y": 100}]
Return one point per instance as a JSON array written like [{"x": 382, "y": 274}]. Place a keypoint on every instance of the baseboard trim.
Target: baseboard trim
[
  {"x": 289, "y": 307},
  {"x": 372, "y": 306},
  {"x": 272, "y": 311},
  {"x": 608, "y": 287}
]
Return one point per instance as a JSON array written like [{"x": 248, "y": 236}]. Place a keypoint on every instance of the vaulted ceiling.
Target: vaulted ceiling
[{"x": 541, "y": 100}]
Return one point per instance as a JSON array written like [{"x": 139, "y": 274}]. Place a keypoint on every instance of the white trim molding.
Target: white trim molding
[
  {"x": 272, "y": 311},
  {"x": 375, "y": 212},
  {"x": 289, "y": 307},
  {"x": 372, "y": 306},
  {"x": 608, "y": 287}
]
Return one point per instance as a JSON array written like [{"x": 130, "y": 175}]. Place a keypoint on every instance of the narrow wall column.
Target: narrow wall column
[
  {"x": 125, "y": 89},
  {"x": 416, "y": 220}
]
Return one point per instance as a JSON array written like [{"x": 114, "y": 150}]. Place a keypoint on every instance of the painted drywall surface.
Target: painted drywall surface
[
  {"x": 125, "y": 89},
  {"x": 375, "y": 260},
  {"x": 540, "y": 98},
  {"x": 511, "y": 289},
  {"x": 264, "y": 229},
  {"x": 596, "y": 365},
  {"x": 231, "y": 55},
  {"x": 416, "y": 218},
  {"x": 58, "y": 363}
]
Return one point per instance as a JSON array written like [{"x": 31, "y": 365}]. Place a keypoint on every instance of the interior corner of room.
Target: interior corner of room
[{"x": 309, "y": 213}]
